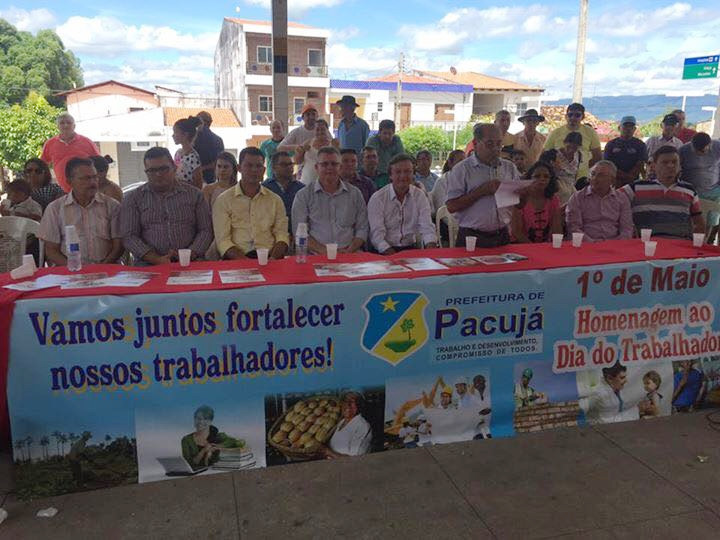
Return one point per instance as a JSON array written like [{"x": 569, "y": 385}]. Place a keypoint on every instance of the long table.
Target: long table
[{"x": 393, "y": 337}]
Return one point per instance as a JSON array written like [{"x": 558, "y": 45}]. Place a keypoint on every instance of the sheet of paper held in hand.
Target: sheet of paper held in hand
[
  {"x": 506, "y": 194},
  {"x": 190, "y": 277}
]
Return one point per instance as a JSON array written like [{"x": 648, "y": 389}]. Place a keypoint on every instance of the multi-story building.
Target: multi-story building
[{"x": 244, "y": 72}]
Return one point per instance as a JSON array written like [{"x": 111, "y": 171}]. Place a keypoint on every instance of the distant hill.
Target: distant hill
[{"x": 644, "y": 107}]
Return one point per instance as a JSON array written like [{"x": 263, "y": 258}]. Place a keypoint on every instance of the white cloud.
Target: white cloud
[
  {"x": 627, "y": 23},
  {"x": 28, "y": 20},
  {"x": 298, "y": 7},
  {"x": 361, "y": 62}
]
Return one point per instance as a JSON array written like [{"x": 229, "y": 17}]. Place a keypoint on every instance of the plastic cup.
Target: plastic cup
[
  {"x": 262, "y": 256},
  {"x": 331, "y": 251},
  {"x": 29, "y": 260},
  {"x": 470, "y": 242},
  {"x": 650, "y": 248},
  {"x": 698, "y": 239},
  {"x": 22, "y": 271},
  {"x": 645, "y": 234},
  {"x": 184, "y": 257},
  {"x": 557, "y": 240},
  {"x": 577, "y": 239}
]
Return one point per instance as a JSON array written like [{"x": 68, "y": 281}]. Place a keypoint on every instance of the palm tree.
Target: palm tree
[
  {"x": 406, "y": 326},
  {"x": 44, "y": 442},
  {"x": 73, "y": 437},
  {"x": 19, "y": 445},
  {"x": 63, "y": 440},
  {"x": 29, "y": 441},
  {"x": 57, "y": 435}
]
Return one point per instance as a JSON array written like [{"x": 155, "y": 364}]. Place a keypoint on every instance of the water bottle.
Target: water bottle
[
  {"x": 301, "y": 243},
  {"x": 72, "y": 247}
]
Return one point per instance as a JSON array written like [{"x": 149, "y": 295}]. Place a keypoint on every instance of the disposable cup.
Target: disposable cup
[
  {"x": 470, "y": 242},
  {"x": 645, "y": 234},
  {"x": 331, "y": 251},
  {"x": 29, "y": 260},
  {"x": 650, "y": 248},
  {"x": 557, "y": 240},
  {"x": 22, "y": 271},
  {"x": 577, "y": 239},
  {"x": 184, "y": 257},
  {"x": 698, "y": 239},
  {"x": 262, "y": 256}
]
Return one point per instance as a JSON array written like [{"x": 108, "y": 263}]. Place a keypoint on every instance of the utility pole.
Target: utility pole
[
  {"x": 398, "y": 93},
  {"x": 580, "y": 52},
  {"x": 280, "y": 62}
]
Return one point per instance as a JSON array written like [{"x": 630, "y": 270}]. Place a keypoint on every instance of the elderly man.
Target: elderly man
[
  {"x": 269, "y": 146},
  {"x": 334, "y": 211},
  {"x": 666, "y": 138},
  {"x": 387, "y": 145},
  {"x": 598, "y": 210},
  {"x": 94, "y": 215},
  {"x": 369, "y": 165},
  {"x": 471, "y": 187},
  {"x": 282, "y": 181},
  {"x": 250, "y": 216},
  {"x": 575, "y": 114},
  {"x": 627, "y": 152},
  {"x": 423, "y": 174},
  {"x": 502, "y": 122},
  {"x": 664, "y": 204},
  {"x": 349, "y": 174},
  {"x": 685, "y": 134},
  {"x": 164, "y": 215},
  {"x": 400, "y": 211},
  {"x": 301, "y": 134},
  {"x": 208, "y": 145},
  {"x": 529, "y": 140},
  {"x": 353, "y": 131},
  {"x": 64, "y": 146}
]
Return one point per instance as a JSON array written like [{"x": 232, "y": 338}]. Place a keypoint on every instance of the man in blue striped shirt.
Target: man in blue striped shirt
[{"x": 353, "y": 131}]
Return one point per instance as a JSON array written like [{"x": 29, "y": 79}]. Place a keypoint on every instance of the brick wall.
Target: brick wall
[{"x": 546, "y": 416}]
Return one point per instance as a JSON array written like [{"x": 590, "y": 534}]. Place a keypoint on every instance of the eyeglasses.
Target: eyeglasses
[
  {"x": 329, "y": 163},
  {"x": 157, "y": 170},
  {"x": 33, "y": 171}
]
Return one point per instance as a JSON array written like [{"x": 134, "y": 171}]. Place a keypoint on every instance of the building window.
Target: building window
[
  {"x": 265, "y": 104},
  {"x": 521, "y": 109},
  {"x": 379, "y": 106},
  {"x": 315, "y": 57},
  {"x": 313, "y": 95},
  {"x": 298, "y": 104},
  {"x": 264, "y": 55}
]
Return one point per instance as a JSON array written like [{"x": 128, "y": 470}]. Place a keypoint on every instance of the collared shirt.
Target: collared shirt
[
  {"x": 385, "y": 153},
  {"x": 469, "y": 174},
  {"x": 249, "y": 223},
  {"x": 160, "y": 221},
  {"x": 532, "y": 150},
  {"x": 654, "y": 143},
  {"x": 701, "y": 170},
  {"x": 46, "y": 194},
  {"x": 332, "y": 218},
  {"x": 287, "y": 195},
  {"x": 428, "y": 181},
  {"x": 268, "y": 147},
  {"x": 59, "y": 152},
  {"x": 208, "y": 146},
  {"x": 438, "y": 195},
  {"x": 364, "y": 184},
  {"x": 353, "y": 134},
  {"x": 590, "y": 142},
  {"x": 380, "y": 180},
  {"x": 396, "y": 224},
  {"x": 600, "y": 218},
  {"x": 665, "y": 210},
  {"x": 626, "y": 153},
  {"x": 96, "y": 224},
  {"x": 685, "y": 134},
  {"x": 298, "y": 136},
  {"x": 26, "y": 208}
]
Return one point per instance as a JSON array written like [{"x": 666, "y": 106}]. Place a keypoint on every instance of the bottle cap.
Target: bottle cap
[
  {"x": 302, "y": 229},
  {"x": 71, "y": 235}
]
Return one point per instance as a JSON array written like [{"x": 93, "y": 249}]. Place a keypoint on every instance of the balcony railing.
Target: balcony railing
[{"x": 258, "y": 68}]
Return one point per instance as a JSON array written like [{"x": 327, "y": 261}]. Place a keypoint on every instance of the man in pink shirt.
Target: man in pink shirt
[{"x": 65, "y": 146}]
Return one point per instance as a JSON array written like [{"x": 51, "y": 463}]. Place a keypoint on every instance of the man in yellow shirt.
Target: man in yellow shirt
[
  {"x": 250, "y": 216},
  {"x": 591, "y": 153}
]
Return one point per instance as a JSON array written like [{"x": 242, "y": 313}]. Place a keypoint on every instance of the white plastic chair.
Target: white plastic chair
[
  {"x": 707, "y": 206},
  {"x": 14, "y": 231},
  {"x": 442, "y": 213}
]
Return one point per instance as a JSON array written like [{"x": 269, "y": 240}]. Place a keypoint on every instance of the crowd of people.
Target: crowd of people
[{"x": 364, "y": 192}]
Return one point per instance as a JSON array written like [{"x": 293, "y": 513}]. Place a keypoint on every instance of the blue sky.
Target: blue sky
[{"x": 633, "y": 48}]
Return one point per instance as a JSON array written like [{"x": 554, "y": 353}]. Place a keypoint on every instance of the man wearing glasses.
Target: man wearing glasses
[
  {"x": 162, "y": 216},
  {"x": 334, "y": 211},
  {"x": 575, "y": 114}
]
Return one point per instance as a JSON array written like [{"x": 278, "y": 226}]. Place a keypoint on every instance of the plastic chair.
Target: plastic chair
[
  {"x": 442, "y": 213},
  {"x": 14, "y": 232},
  {"x": 707, "y": 206}
]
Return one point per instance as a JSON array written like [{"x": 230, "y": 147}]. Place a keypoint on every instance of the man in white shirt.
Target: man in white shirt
[
  {"x": 400, "y": 211},
  {"x": 606, "y": 404},
  {"x": 667, "y": 138},
  {"x": 301, "y": 134}
]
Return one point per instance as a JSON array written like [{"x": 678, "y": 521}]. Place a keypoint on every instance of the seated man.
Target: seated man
[
  {"x": 349, "y": 174},
  {"x": 282, "y": 181},
  {"x": 598, "y": 210},
  {"x": 665, "y": 204},
  {"x": 423, "y": 174},
  {"x": 95, "y": 216},
  {"x": 163, "y": 215},
  {"x": 334, "y": 211},
  {"x": 369, "y": 165},
  {"x": 399, "y": 211},
  {"x": 250, "y": 216}
]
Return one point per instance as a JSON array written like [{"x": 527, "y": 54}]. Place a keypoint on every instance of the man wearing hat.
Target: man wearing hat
[
  {"x": 666, "y": 138},
  {"x": 627, "y": 152},
  {"x": 353, "y": 131},
  {"x": 529, "y": 140},
  {"x": 301, "y": 134},
  {"x": 575, "y": 114}
]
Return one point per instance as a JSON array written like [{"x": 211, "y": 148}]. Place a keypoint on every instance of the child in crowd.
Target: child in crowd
[
  {"x": 567, "y": 164},
  {"x": 19, "y": 203},
  {"x": 650, "y": 406},
  {"x": 519, "y": 158}
]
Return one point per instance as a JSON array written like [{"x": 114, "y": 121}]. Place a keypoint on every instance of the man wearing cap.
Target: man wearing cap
[
  {"x": 628, "y": 153},
  {"x": 448, "y": 422},
  {"x": 666, "y": 138},
  {"x": 685, "y": 134},
  {"x": 525, "y": 395},
  {"x": 575, "y": 115},
  {"x": 353, "y": 131},
  {"x": 529, "y": 140},
  {"x": 301, "y": 134}
]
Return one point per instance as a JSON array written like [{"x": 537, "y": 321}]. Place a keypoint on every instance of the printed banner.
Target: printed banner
[{"x": 111, "y": 390}]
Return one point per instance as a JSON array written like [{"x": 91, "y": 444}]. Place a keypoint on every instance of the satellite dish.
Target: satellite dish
[{"x": 453, "y": 70}]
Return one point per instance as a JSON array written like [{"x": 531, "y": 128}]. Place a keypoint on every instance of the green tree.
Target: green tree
[
  {"x": 418, "y": 138},
  {"x": 38, "y": 63},
  {"x": 24, "y": 129},
  {"x": 651, "y": 127}
]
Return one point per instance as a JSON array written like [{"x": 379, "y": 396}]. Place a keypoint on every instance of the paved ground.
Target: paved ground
[{"x": 633, "y": 480}]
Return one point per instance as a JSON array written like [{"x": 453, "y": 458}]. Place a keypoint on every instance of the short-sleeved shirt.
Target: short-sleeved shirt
[
  {"x": 268, "y": 147},
  {"x": 428, "y": 181},
  {"x": 689, "y": 394},
  {"x": 685, "y": 134},
  {"x": 46, "y": 194},
  {"x": 385, "y": 153},
  {"x": 353, "y": 134},
  {"x": 590, "y": 142},
  {"x": 59, "y": 152},
  {"x": 26, "y": 208},
  {"x": 700, "y": 170},
  {"x": 287, "y": 195},
  {"x": 208, "y": 145},
  {"x": 298, "y": 136},
  {"x": 657, "y": 142},
  {"x": 537, "y": 223},
  {"x": 626, "y": 153},
  {"x": 97, "y": 224},
  {"x": 532, "y": 150},
  {"x": 665, "y": 210},
  {"x": 469, "y": 174}
]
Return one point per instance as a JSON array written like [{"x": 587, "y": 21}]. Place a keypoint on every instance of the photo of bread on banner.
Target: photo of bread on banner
[{"x": 307, "y": 426}]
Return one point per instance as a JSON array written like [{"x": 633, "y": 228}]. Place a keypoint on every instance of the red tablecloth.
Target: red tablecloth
[{"x": 540, "y": 256}]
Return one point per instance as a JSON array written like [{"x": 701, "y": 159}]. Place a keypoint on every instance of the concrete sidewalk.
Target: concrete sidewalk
[{"x": 632, "y": 480}]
